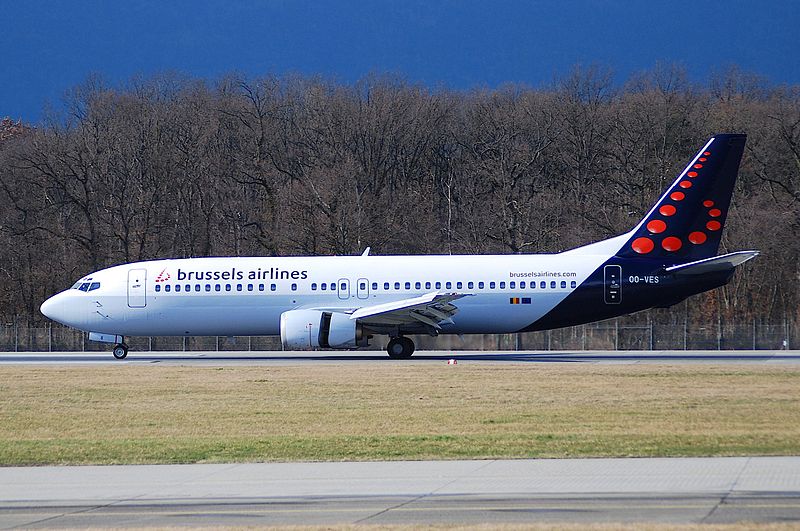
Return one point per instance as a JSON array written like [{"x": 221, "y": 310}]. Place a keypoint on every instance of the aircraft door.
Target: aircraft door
[
  {"x": 613, "y": 284},
  {"x": 362, "y": 288},
  {"x": 343, "y": 287},
  {"x": 137, "y": 288}
]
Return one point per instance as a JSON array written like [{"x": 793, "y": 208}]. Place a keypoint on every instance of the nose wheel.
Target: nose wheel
[
  {"x": 120, "y": 351},
  {"x": 400, "y": 348}
]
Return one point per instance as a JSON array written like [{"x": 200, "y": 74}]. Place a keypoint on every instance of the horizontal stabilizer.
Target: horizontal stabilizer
[{"x": 726, "y": 262}]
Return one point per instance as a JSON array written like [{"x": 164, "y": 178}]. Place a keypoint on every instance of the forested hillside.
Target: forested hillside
[{"x": 171, "y": 166}]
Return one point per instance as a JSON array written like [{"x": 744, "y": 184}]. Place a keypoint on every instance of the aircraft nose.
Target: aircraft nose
[{"x": 57, "y": 307}]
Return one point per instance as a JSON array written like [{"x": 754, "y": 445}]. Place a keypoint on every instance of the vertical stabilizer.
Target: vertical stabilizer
[{"x": 687, "y": 221}]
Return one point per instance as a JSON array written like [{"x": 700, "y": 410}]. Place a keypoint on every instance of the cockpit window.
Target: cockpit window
[{"x": 86, "y": 286}]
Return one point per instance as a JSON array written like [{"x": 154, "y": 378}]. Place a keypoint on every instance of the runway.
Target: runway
[
  {"x": 245, "y": 358},
  {"x": 686, "y": 490}
]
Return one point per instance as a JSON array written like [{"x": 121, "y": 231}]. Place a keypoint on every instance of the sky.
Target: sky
[{"x": 49, "y": 46}]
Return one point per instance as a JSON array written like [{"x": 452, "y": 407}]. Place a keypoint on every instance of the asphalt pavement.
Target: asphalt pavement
[
  {"x": 661, "y": 490},
  {"x": 791, "y": 357}
]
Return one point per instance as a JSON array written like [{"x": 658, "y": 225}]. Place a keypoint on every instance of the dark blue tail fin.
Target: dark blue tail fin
[{"x": 686, "y": 223}]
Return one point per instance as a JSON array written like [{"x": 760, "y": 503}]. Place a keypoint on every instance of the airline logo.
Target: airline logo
[
  {"x": 687, "y": 221},
  {"x": 661, "y": 224},
  {"x": 163, "y": 276}
]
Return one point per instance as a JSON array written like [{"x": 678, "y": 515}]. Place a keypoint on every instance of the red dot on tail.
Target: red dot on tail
[
  {"x": 707, "y": 153},
  {"x": 698, "y": 166},
  {"x": 713, "y": 225},
  {"x": 708, "y": 203},
  {"x": 656, "y": 226},
  {"x": 702, "y": 159},
  {"x": 642, "y": 245},
  {"x": 715, "y": 212},
  {"x": 667, "y": 210},
  {"x": 692, "y": 174},
  {"x": 677, "y": 196},
  {"x": 697, "y": 237},
  {"x": 671, "y": 243},
  {"x": 685, "y": 184}
]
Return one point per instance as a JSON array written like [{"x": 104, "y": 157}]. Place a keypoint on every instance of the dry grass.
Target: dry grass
[{"x": 160, "y": 414}]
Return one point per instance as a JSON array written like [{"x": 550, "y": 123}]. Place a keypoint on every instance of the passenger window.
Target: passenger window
[
  {"x": 323, "y": 286},
  {"x": 480, "y": 285},
  {"x": 563, "y": 284},
  {"x": 238, "y": 287},
  {"x": 273, "y": 287},
  {"x": 187, "y": 288},
  {"x": 438, "y": 285},
  {"x": 208, "y": 287},
  {"x": 492, "y": 284},
  {"x": 217, "y": 287},
  {"x": 448, "y": 285},
  {"x": 459, "y": 285},
  {"x": 294, "y": 287},
  {"x": 502, "y": 285},
  {"x": 553, "y": 284},
  {"x": 249, "y": 287},
  {"x": 470, "y": 285},
  {"x": 417, "y": 285},
  {"x": 427, "y": 285},
  {"x": 396, "y": 285},
  {"x": 342, "y": 286},
  {"x": 408, "y": 285},
  {"x": 158, "y": 287},
  {"x": 166, "y": 288},
  {"x": 543, "y": 284},
  {"x": 197, "y": 287},
  {"x": 177, "y": 287},
  {"x": 374, "y": 286},
  {"x": 386, "y": 286},
  {"x": 573, "y": 284},
  {"x": 512, "y": 285},
  {"x": 522, "y": 285},
  {"x": 261, "y": 287},
  {"x": 362, "y": 286},
  {"x": 227, "y": 287},
  {"x": 313, "y": 286}
]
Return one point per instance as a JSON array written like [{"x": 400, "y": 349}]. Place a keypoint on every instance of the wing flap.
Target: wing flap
[{"x": 430, "y": 309}]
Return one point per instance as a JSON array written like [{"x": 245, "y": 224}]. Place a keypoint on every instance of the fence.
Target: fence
[{"x": 608, "y": 335}]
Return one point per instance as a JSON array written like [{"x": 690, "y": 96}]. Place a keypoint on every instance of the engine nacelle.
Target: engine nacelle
[{"x": 312, "y": 329}]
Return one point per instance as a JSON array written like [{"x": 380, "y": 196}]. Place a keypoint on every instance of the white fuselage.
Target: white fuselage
[{"x": 246, "y": 296}]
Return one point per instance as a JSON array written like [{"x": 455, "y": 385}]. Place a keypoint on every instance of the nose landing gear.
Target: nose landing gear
[{"x": 120, "y": 351}]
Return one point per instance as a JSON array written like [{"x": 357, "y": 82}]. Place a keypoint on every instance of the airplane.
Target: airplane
[{"x": 341, "y": 302}]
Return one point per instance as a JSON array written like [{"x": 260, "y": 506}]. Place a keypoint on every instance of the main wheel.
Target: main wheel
[
  {"x": 120, "y": 351},
  {"x": 400, "y": 348}
]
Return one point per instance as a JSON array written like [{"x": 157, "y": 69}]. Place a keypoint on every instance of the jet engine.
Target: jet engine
[{"x": 311, "y": 329}]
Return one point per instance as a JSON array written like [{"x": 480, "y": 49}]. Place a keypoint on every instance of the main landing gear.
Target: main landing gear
[
  {"x": 400, "y": 348},
  {"x": 120, "y": 351}
]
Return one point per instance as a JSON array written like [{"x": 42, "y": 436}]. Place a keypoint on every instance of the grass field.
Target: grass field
[{"x": 161, "y": 414}]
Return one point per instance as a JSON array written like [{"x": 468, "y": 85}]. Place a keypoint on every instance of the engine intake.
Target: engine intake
[{"x": 312, "y": 329}]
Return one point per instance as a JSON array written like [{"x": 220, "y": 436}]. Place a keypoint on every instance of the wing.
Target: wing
[{"x": 427, "y": 312}]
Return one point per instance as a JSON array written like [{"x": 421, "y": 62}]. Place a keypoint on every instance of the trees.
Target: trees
[{"x": 173, "y": 166}]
